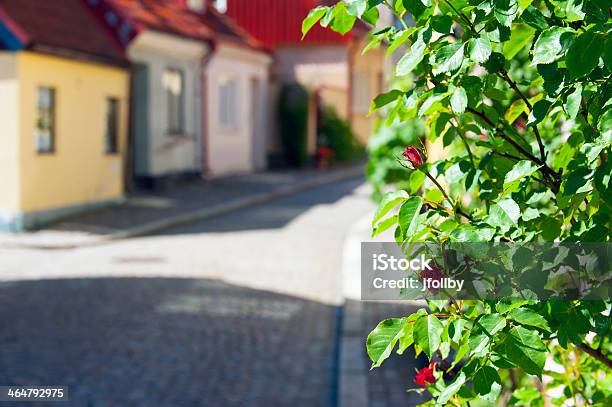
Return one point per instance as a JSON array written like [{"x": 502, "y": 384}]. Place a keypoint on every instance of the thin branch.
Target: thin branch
[
  {"x": 597, "y": 354},
  {"x": 457, "y": 209},
  {"x": 463, "y": 138},
  {"x": 514, "y": 86},
  {"x": 461, "y": 15}
]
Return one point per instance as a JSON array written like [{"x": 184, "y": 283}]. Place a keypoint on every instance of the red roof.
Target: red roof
[
  {"x": 279, "y": 22},
  {"x": 170, "y": 16},
  {"x": 58, "y": 27}
]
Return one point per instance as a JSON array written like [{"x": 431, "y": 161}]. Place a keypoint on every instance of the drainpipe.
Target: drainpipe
[{"x": 204, "y": 143}]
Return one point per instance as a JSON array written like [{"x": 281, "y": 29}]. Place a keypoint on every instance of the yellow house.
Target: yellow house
[{"x": 64, "y": 87}]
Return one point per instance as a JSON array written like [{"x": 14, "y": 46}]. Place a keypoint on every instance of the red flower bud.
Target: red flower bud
[
  {"x": 425, "y": 376},
  {"x": 414, "y": 156},
  {"x": 434, "y": 272}
]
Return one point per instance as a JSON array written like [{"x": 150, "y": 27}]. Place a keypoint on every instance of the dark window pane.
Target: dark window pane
[
  {"x": 45, "y": 120},
  {"x": 112, "y": 126}
]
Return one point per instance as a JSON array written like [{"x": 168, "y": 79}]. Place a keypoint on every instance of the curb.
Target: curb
[{"x": 204, "y": 213}]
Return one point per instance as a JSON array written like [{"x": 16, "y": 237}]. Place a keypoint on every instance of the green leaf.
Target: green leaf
[
  {"x": 451, "y": 389},
  {"x": 449, "y": 57},
  {"x": 312, "y": 18},
  {"x": 573, "y": 102},
  {"x": 484, "y": 378},
  {"x": 515, "y": 110},
  {"x": 505, "y": 306},
  {"x": 506, "y": 11},
  {"x": 539, "y": 112},
  {"x": 384, "y": 225},
  {"x": 415, "y": 54},
  {"x": 521, "y": 36},
  {"x": 549, "y": 47},
  {"x": 583, "y": 56},
  {"x": 343, "y": 21},
  {"x": 427, "y": 333},
  {"x": 607, "y": 55},
  {"x": 389, "y": 201},
  {"x": 459, "y": 100},
  {"x": 418, "y": 10},
  {"x": 385, "y": 98},
  {"x": 399, "y": 39},
  {"x": 408, "y": 214},
  {"x": 492, "y": 323},
  {"x": 356, "y": 7},
  {"x": 504, "y": 214},
  {"x": 382, "y": 340},
  {"x": 442, "y": 24},
  {"x": 535, "y": 18},
  {"x": 524, "y": 348},
  {"x": 520, "y": 170},
  {"x": 480, "y": 49},
  {"x": 525, "y": 316}
]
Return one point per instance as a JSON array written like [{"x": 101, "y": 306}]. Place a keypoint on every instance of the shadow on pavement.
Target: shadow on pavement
[
  {"x": 274, "y": 214},
  {"x": 166, "y": 342}
]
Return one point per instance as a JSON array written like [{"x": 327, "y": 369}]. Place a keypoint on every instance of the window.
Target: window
[
  {"x": 45, "y": 120},
  {"x": 196, "y": 5},
  {"x": 173, "y": 83},
  {"x": 361, "y": 92},
  {"x": 111, "y": 141},
  {"x": 228, "y": 103},
  {"x": 220, "y": 5}
]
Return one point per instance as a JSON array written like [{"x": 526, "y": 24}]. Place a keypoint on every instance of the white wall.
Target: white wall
[
  {"x": 171, "y": 153},
  {"x": 313, "y": 66},
  {"x": 9, "y": 136},
  {"x": 238, "y": 149}
]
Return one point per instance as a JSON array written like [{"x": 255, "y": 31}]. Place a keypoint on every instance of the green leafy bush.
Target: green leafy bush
[
  {"x": 518, "y": 91},
  {"x": 293, "y": 121},
  {"x": 336, "y": 134}
]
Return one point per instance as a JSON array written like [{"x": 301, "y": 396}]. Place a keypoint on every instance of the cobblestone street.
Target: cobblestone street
[
  {"x": 167, "y": 342},
  {"x": 237, "y": 310}
]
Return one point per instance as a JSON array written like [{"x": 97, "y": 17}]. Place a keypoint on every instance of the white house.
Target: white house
[{"x": 199, "y": 84}]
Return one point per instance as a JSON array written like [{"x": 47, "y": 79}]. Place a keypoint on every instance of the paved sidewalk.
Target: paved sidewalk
[
  {"x": 146, "y": 213},
  {"x": 358, "y": 386}
]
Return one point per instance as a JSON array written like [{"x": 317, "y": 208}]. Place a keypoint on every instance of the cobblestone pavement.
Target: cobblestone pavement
[
  {"x": 166, "y": 342},
  {"x": 237, "y": 310},
  {"x": 387, "y": 384}
]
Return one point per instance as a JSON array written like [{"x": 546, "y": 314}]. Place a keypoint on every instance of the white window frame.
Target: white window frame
[
  {"x": 177, "y": 128},
  {"x": 229, "y": 103}
]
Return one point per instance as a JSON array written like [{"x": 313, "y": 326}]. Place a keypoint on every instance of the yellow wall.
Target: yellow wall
[
  {"x": 9, "y": 138},
  {"x": 79, "y": 171}
]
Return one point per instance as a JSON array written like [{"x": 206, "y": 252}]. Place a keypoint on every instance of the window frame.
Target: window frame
[
  {"x": 114, "y": 148},
  {"x": 53, "y": 120},
  {"x": 229, "y": 99},
  {"x": 180, "y": 129}
]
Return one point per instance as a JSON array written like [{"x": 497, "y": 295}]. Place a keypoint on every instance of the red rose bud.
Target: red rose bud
[
  {"x": 425, "y": 376},
  {"x": 414, "y": 156},
  {"x": 432, "y": 272}
]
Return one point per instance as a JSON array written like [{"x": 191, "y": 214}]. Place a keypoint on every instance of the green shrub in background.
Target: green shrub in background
[
  {"x": 336, "y": 134},
  {"x": 293, "y": 121},
  {"x": 387, "y": 143}
]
